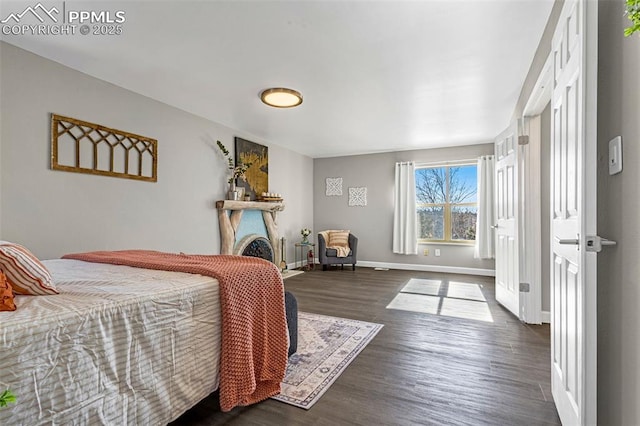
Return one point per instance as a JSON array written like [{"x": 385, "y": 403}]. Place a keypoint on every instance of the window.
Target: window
[{"x": 447, "y": 203}]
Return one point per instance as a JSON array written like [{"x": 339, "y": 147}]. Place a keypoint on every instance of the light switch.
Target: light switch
[
  {"x": 615, "y": 155},
  {"x": 437, "y": 252}
]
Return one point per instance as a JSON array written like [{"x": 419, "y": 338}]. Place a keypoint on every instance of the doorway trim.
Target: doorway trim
[
  {"x": 531, "y": 223},
  {"x": 534, "y": 106}
]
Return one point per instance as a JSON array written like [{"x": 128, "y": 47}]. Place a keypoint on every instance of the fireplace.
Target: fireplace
[
  {"x": 234, "y": 241},
  {"x": 255, "y": 246}
]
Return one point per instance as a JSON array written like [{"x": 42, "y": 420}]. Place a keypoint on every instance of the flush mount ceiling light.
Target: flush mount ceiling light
[{"x": 280, "y": 97}]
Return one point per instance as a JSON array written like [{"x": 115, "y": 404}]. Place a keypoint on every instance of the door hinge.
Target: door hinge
[
  {"x": 523, "y": 140},
  {"x": 524, "y": 287}
]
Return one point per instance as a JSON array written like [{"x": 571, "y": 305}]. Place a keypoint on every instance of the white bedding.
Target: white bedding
[{"x": 118, "y": 345}]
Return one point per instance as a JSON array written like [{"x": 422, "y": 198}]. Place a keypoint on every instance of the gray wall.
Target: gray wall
[
  {"x": 618, "y": 219},
  {"x": 545, "y": 205},
  {"x": 54, "y": 212},
  {"x": 373, "y": 224}
]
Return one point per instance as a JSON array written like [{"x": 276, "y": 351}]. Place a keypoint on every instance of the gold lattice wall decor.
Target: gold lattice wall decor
[{"x": 83, "y": 147}]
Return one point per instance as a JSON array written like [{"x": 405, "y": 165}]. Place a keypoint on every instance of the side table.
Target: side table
[{"x": 301, "y": 250}]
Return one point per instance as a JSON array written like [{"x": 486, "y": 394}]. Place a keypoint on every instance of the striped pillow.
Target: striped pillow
[
  {"x": 338, "y": 239},
  {"x": 25, "y": 273}
]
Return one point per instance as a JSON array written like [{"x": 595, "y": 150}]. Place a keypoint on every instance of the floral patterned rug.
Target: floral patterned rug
[{"x": 326, "y": 347}]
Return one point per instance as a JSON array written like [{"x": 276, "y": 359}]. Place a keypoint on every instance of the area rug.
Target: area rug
[{"x": 326, "y": 346}]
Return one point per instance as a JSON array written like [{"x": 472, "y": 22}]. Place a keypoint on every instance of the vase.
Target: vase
[
  {"x": 232, "y": 194},
  {"x": 305, "y": 240}
]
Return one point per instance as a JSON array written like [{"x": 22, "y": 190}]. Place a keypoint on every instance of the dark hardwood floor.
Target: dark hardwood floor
[{"x": 421, "y": 369}]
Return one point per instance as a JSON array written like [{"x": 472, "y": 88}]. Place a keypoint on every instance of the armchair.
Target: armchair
[{"x": 329, "y": 256}]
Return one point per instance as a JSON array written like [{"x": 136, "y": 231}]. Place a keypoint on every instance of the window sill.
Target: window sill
[{"x": 445, "y": 243}]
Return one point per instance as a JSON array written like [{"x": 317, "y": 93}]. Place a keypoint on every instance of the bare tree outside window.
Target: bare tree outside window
[{"x": 446, "y": 199}]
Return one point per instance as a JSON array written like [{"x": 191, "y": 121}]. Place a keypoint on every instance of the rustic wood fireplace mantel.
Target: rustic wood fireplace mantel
[{"x": 229, "y": 223}]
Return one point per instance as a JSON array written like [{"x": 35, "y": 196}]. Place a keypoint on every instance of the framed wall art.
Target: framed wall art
[
  {"x": 257, "y": 176},
  {"x": 83, "y": 147},
  {"x": 358, "y": 197},
  {"x": 334, "y": 187}
]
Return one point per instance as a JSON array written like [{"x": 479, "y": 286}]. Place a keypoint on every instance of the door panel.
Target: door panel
[
  {"x": 507, "y": 249},
  {"x": 572, "y": 143},
  {"x": 557, "y": 155},
  {"x": 573, "y": 197},
  {"x": 510, "y": 196}
]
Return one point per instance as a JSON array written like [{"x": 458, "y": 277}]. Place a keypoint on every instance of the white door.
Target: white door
[
  {"x": 573, "y": 209},
  {"x": 506, "y": 228}
]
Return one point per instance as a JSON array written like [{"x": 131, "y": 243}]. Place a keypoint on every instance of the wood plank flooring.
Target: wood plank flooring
[{"x": 421, "y": 369}]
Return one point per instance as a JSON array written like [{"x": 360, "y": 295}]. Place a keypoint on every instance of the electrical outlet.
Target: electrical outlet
[
  {"x": 425, "y": 252},
  {"x": 437, "y": 252}
]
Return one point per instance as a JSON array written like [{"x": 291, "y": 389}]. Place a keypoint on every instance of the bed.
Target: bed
[{"x": 118, "y": 345}]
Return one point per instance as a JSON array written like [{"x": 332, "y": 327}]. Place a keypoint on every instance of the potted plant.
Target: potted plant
[
  {"x": 238, "y": 171},
  {"x": 6, "y": 397},
  {"x": 305, "y": 232},
  {"x": 632, "y": 12}
]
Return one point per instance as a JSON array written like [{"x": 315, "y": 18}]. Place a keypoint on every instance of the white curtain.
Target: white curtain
[
  {"x": 485, "y": 235},
  {"x": 405, "y": 231}
]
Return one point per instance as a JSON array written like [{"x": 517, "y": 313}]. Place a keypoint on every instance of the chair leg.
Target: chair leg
[
  {"x": 353, "y": 267},
  {"x": 324, "y": 267},
  {"x": 342, "y": 266}
]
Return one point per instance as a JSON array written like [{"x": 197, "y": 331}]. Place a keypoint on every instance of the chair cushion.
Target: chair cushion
[{"x": 334, "y": 253}]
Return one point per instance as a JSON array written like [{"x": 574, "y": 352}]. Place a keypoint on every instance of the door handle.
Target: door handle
[
  {"x": 573, "y": 242},
  {"x": 494, "y": 226},
  {"x": 595, "y": 243}
]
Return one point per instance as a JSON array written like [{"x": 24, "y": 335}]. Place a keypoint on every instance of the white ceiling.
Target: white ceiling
[{"x": 375, "y": 75}]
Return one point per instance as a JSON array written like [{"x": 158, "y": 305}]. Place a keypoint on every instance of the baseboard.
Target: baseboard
[
  {"x": 292, "y": 265},
  {"x": 429, "y": 268},
  {"x": 546, "y": 317},
  {"x": 417, "y": 267}
]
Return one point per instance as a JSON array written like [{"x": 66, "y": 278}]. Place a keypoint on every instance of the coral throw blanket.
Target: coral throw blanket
[{"x": 254, "y": 327}]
